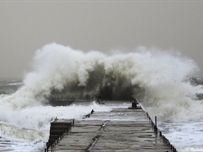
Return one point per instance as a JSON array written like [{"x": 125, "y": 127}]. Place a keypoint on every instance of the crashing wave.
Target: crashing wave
[{"x": 155, "y": 77}]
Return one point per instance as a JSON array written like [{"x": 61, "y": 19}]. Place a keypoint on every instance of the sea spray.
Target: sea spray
[
  {"x": 33, "y": 123},
  {"x": 157, "y": 78}
]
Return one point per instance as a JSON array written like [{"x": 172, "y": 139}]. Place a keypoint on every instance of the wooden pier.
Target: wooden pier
[{"x": 121, "y": 130}]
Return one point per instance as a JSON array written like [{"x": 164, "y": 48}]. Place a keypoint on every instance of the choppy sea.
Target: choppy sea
[{"x": 158, "y": 79}]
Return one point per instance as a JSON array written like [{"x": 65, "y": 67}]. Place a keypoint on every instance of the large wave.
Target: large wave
[{"x": 157, "y": 78}]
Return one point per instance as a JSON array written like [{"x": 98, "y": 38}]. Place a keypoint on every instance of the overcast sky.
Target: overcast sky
[{"x": 28, "y": 26}]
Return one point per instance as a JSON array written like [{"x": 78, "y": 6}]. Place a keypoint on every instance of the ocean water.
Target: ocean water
[{"x": 159, "y": 79}]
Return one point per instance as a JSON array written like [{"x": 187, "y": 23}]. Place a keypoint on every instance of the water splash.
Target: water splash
[{"x": 157, "y": 78}]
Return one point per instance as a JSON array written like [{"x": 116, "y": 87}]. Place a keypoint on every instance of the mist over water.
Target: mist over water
[{"x": 158, "y": 79}]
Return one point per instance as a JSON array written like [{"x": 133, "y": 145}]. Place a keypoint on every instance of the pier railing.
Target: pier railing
[{"x": 159, "y": 133}]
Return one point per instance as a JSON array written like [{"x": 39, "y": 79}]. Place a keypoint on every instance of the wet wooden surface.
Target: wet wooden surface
[{"x": 121, "y": 130}]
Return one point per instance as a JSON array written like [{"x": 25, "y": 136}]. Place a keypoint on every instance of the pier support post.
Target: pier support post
[{"x": 155, "y": 127}]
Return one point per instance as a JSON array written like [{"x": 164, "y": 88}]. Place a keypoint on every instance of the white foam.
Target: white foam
[
  {"x": 184, "y": 135},
  {"x": 160, "y": 75}
]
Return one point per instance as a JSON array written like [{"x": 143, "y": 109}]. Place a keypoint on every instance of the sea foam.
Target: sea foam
[{"x": 157, "y": 78}]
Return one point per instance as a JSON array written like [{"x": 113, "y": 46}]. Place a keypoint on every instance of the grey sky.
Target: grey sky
[{"x": 27, "y": 26}]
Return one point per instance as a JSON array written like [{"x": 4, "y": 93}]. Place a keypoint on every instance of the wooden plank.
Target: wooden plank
[{"x": 112, "y": 131}]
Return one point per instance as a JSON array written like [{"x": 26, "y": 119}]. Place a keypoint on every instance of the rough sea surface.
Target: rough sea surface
[{"x": 160, "y": 80}]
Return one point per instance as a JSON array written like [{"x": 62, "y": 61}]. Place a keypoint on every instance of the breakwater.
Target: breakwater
[{"x": 122, "y": 129}]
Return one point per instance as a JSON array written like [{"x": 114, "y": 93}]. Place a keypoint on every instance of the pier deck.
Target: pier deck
[{"x": 121, "y": 130}]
